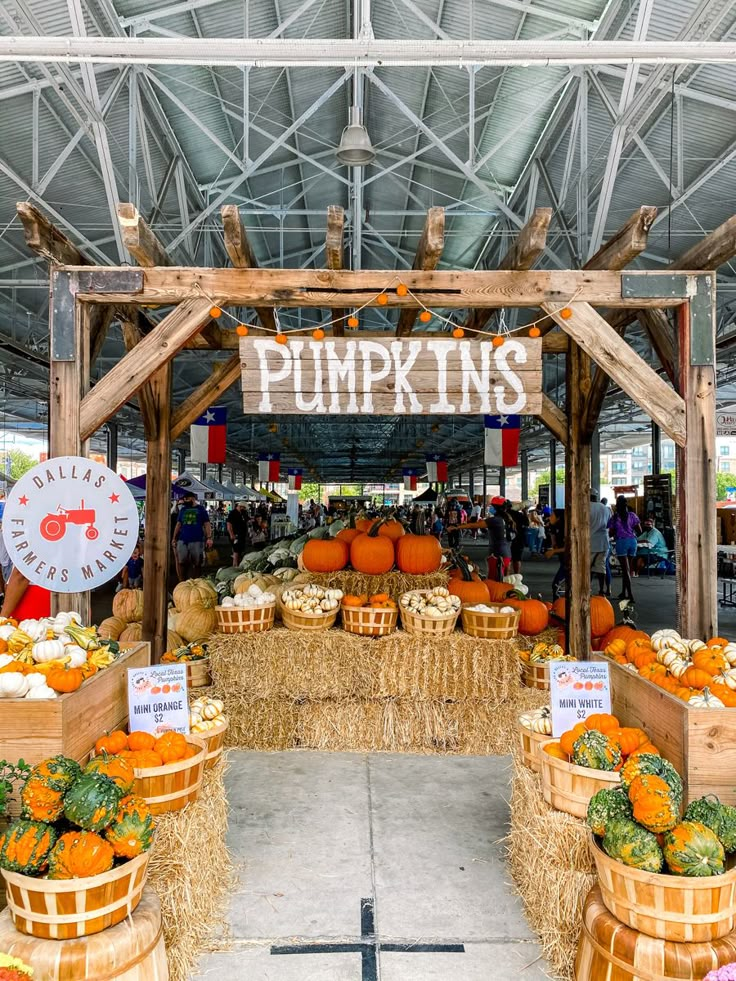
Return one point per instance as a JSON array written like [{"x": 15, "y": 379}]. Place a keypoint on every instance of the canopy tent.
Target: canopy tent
[
  {"x": 429, "y": 496},
  {"x": 272, "y": 496},
  {"x": 221, "y": 491},
  {"x": 137, "y": 487},
  {"x": 206, "y": 490},
  {"x": 243, "y": 492}
]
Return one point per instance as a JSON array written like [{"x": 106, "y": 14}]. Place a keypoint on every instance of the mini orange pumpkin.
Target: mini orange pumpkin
[
  {"x": 112, "y": 743},
  {"x": 140, "y": 740}
]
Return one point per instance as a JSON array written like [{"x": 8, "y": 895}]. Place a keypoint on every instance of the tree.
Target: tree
[
  {"x": 543, "y": 478},
  {"x": 20, "y": 463},
  {"x": 723, "y": 482},
  {"x": 309, "y": 492}
]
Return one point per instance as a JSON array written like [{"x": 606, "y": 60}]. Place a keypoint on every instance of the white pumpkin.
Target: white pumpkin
[
  {"x": 13, "y": 684},
  {"x": 228, "y": 602},
  {"x": 48, "y": 650},
  {"x": 77, "y": 656},
  {"x": 729, "y": 652},
  {"x": 5, "y": 659},
  {"x": 35, "y": 680},
  {"x": 702, "y": 699},
  {"x": 695, "y": 645},
  {"x": 727, "y": 678},
  {"x": 660, "y": 638},
  {"x": 6, "y": 631},
  {"x": 41, "y": 692},
  {"x": 36, "y": 629},
  {"x": 63, "y": 619}
]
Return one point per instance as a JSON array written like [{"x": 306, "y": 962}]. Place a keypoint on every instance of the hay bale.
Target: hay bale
[
  {"x": 261, "y": 724},
  {"x": 191, "y": 871},
  {"x": 394, "y": 583},
  {"x": 550, "y": 862}
]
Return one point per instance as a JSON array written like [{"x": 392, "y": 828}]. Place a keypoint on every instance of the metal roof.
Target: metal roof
[{"x": 173, "y": 138}]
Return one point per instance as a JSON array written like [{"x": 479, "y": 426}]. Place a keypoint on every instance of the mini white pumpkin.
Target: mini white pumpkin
[
  {"x": 704, "y": 699},
  {"x": 77, "y": 656},
  {"x": 6, "y": 631},
  {"x": 35, "y": 680},
  {"x": 5, "y": 659},
  {"x": 228, "y": 602},
  {"x": 48, "y": 650},
  {"x": 36, "y": 629},
  {"x": 41, "y": 692},
  {"x": 13, "y": 684}
]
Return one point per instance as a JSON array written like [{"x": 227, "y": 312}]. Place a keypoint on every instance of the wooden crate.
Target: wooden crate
[
  {"x": 701, "y": 743},
  {"x": 70, "y": 724}
]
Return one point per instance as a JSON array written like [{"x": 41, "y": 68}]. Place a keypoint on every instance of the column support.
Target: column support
[
  {"x": 112, "y": 446},
  {"x": 656, "y": 448},
  {"x": 553, "y": 473},
  {"x": 595, "y": 461},
  {"x": 577, "y": 506},
  {"x": 502, "y": 481},
  {"x": 525, "y": 475}
]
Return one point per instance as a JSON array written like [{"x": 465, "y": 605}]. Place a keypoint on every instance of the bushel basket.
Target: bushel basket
[
  {"x": 174, "y": 785},
  {"x": 568, "y": 787},
  {"x": 368, "y": 621},
  {"x": 238, "y": 620},
  {"x": 422, "y": 625},
  {"x": 491, "y": 626},
  {"x": 296, "y": 620}
]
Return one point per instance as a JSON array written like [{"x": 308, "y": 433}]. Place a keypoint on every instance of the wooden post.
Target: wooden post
[
  {"x": 157, "y": 549},
  {"x": 553, "y": 473},
  {"x": 577, "y": 507},
  {"x": 697, "y": 587},
  {"x": 428, "y": 255}
]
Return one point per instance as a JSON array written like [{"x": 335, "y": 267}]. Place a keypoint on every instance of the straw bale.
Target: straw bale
[
  {"x": 262, "y": 723},
  {"x": 394, "y": 583},
  {"x": 191, "y": 871},
  {"x": 550, "y": 862}
]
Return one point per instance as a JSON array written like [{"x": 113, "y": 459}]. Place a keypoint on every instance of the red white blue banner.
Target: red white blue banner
[
  {"x": 295, "y": 479},
  {"x": 502, "y": 441},
  {"x": 269, "y": 467},
  {"x": 207, "y": 436},
  {"x": 436, "y": 468},
  {"x": 410, "y": 478}
]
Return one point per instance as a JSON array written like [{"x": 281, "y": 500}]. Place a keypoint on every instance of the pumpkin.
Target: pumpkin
[
  {"x": 348, "y": 535},
  {"x": 418, "y": 555},
  {"x": 194, "y": 592},
  {"x": 623, "y": 633},
  {"x": 596, "y": 751},
  {"x": 628, "y": 740},
  {"x": 556, "y": 751},
  {"x": 132, "y": 633},
  {"x": 692, "y": 849},
  {"x": 111, "y": 628},
  {"x": 498, "y": 590},
  {"x": 720, "y": 818},
  {"x": 394, "y": 530},
  {"x": 111, "y": 743},
  {"x": 25, "y": 845},
  {"x": 171, "y": 747},
  {"x": 469, "y": 590},
  {"x": 65, "y": 679},
  {"x": 115, "y": 769},
  {"x": 534, "y": 616},
  {"x": 654, "y": 806},
  {"x": 355, "y": 601},
  {"x": 325, "y": 555},
  {"x": 143, "y": 759},
  {"x": 79, "y": 854},
  {"x": 92, "y": 802},
  {"x": 605, "y": 806},
  {"x": 602, "y": 722},
  {"x": 628, "y": 843},
  {"x": 371, "y": 553},
  {"x": 365, "y": 524},
  {"x": 127, "y": 605},
  {"x": 644, "y": 763},
  {"x": 131, "y": 830},
  {"x": 140, "y": 740},
  {"x": 704, "y": 699},
  {"x": 196, "y": 623},
  {"x": 602, "y": 617},
  {"x": 42, "y": 796},
  {"x": 567, "y": 739},
  {"x": 558, "y": 608},
  {"x": 48, "y": 650},
  {"x": 710, "y": 661},
  {"x": 695, "y": 678}
]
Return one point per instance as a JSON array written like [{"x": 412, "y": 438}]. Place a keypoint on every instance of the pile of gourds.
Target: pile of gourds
[
  {"x": 483, "y": 608},
  {"x": 251, "y": 598},
  {"x": 639, "y": 824},
  {"x": 378, "y": 601},
  {"x": 189, "y": 652},
  {"x": 143, "y": 751},
  {"x": 437, "y": 602},
  {"x": 77, "y": 822},
  {"x": 206, "y": 713},
  {"x": 311, "y": 599},
  {"x": 541, "y": 653},
  {"x": 42, "y": 658},
  {"x": 703, "y": 674},
  {"x": 601, "y": 743},
  {"x": 539, "y": 720},
  {"x": 373, "y": 547}
]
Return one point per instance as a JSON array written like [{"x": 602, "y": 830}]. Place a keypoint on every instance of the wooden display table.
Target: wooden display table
[
  {"x": 34, "y": 730},
  {"x": 701, "y": 743}
]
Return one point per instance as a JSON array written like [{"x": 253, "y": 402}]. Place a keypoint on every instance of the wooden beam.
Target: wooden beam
[
  {"x": 138, "y": 238},
  {"x": 662, "y": 337},
  {"x": 640, "y": 382},
  {"x": 577, "y": 506},
  {"x": 223, "y": 375},
  {"x": 554, "y": 419},
  {"x": 132, "y": 336},
  {"x": 128, "y": 376},
  {"x": 530, "y": 243},
  {"x": 428, "y": 255},
  {"x": 242, "y": 256},
  {"x": 334, "y": 252}
]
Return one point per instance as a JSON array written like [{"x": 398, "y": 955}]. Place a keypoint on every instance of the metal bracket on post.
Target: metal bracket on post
[
  {"x": 640, "y": 286},
  {"x": 65, "y": 285},
  {"x": 702, "y": 338}
]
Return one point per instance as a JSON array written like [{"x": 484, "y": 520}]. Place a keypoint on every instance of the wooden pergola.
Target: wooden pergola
[{"x": 86, "y": 298}]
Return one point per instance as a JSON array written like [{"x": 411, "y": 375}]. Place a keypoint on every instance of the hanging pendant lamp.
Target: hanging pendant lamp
[{"x": 356, "y": 149}]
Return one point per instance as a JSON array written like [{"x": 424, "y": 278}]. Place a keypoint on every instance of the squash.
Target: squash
[
  {"x": 534, "y": 616},
  {"x": 653, "y": 804},
  {"x": 557, "y": 752},
  {"x": 127, "y": 605},
  {"x": 596, "y": 751},
  {"x": 393, "y": 529},
  {"x": 628, "y": 740},
  {"x": 372, "y": 554},
  {"x": 692, "y": 849},
  {"x": 132, "y": 633},
  {"x": 79, "y": 854},
  {"x": 111, "y": 628},
  {"x": 25, "y": 846},
  {"x": 605, "y": 806},
  {"x": 131, "y": 830},
  {"x": 48, "y": 650},
  {"x": 42, "y": 795},
  {"x": 641, "y": 763},
  {"x": 418, "y": 555},
  {"x": 196, "y": 623},
  {"x": 92, "y": 802},
  {"x": 13, "y": 684},
  {"x": 194, "y": 592},
  {"x": 115, "y": 769},
  {"x": 325, "y": 555},
  {"x": 628, "y": 843},
  {"x": 720, "y": 818}
]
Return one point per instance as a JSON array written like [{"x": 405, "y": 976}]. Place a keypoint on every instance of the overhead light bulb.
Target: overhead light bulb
[{"x": 356, "y": 149}]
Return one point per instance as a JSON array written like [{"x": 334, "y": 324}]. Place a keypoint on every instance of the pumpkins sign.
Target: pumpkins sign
[
  {"x": 392, "y": 376},
  {"x": 157, "y": 699},
  {"x": 70, "y": 524},
  {"x": 577, "y": 689}
]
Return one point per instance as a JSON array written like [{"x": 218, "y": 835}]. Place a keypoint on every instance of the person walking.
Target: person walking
[
  {"x": 452, "y": 523},
  {"x": 501, "y": 534},
  {"x": 520, "y": 521},
  {"x": 536, "y": 531},
  {"x": 557, "y": 536},
  {"x": 599, "y": 517},
  {"x": 625, "y": 526},
  {"x": 192, "y": 535},
  {"x": 237, "y": 529}
]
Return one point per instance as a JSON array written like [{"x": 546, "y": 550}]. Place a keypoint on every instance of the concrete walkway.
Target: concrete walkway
[{"x": 380, "y": 861}]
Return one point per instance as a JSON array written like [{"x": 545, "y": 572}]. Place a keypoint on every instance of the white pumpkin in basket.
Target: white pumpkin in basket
[{"x": 13, "y": 684}]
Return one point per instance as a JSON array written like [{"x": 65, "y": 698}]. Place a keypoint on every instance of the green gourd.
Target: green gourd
[
  {"x": 720, "y": 818},
  {"x": 25, "y": 846},
  {"x": 596, "y": 751},
  {"x": 605, "y": 806},
  {"x": 131, "y": 831},
  {"x": 629, "y": 843},
  {"x": 658, "y": 766},
  {"x": 691, "y": 849},
  {"x": 92, "y": 802}
]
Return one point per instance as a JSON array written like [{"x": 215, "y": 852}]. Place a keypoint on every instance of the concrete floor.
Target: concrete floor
[{"x": 315, "y": 834}]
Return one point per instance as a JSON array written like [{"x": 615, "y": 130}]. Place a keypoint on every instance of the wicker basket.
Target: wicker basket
[
  {"x": 491, "y": 626},
  {"x": 568, "y": 787},
  {"x": 369, "y": 621},
  {"x": 236, "y": 620},
  {"x": 198, "y": 673},
  {"x": 174, "y": 785},
  {"x": 65, "y": 909},
  {"x": 531, "y": 743},
  {"x": 670, "y": 907},
  {"x": 296, "y": 620},
  {"x": 214, "y": 740},
  {"x": 414, "y": 623},
  {"x": 535, "y": 674}
]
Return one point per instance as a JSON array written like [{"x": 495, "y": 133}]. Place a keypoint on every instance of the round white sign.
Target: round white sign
[{"x": 70, "y": 524}]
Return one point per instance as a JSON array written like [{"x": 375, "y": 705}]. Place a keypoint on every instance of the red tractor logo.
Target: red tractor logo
[{"x": 53, "y": 526}]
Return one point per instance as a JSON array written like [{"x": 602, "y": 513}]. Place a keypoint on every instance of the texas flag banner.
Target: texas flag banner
[
  {"x": 502, "y": 441},
  {"x": 436, "y": 468},
  {"x": 269, "y": 467},
  {"x": 207, "y": 436},
  {"x": 410, "y": 478},
  {"x": 295, "y": 479}
]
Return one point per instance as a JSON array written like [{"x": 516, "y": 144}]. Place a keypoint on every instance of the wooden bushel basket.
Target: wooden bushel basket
[
  {"x": 531, "y": 743},
  {"x": 415, "y": 623},
  {"x": 535, "y": 674},
  {"x": 568, "y": 787},
  {"x": 64, "y": 909},
  {"x": 214, "y": 740},
  {"x": 669, "y": 907},
  {"x": 369, "y": 621},
  {"x": 174, "y": 785},
  {"x": 611, "y": 951},
  {"x": 198, "y": 673},
  {"x": 296, "y": 620},
  {"x": 133, "y": 950},
  {"x": 235, "y": 620},
  {"x": 491, "y": 626}
]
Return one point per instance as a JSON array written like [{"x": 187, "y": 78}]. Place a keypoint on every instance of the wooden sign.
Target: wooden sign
[
  {"x": 392, "y": 376},
  {"x": 577, "y": 689}
]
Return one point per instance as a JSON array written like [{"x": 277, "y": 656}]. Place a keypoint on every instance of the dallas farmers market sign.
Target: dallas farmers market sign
[
  {"x": 70, "y": 524},
  {"x": 392, "y": 376}
]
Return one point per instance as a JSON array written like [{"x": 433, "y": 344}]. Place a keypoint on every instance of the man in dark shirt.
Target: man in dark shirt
[
  {"x": 237, "y": 529},
  {"x": 192, "y": 534}
]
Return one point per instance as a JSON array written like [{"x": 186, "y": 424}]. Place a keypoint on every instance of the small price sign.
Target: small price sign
[
  {"x": 577, "y": 689},
  {"x": 157, "y": 699}
]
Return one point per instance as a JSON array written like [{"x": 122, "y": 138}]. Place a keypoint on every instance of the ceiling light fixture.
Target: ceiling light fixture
[{"x": 356, "y": 149}]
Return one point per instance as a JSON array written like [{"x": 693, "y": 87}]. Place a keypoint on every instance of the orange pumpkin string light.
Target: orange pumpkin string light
[
  {"x": 352, "y": 321},
  {"x": 281, "y": 339},
  {"x": 534, "y": 332},
  {"x": 566, "y": 313},
  {"x": 402, "y": 289},
  {"x": 425, "y": 316},
  {"x": 318, "y": 334},
  {"x": 241, "y": 330},
  {"x": 382, "y": 299},
  {"x": 497, "y": 340},
  {"x": 215, "y": 313}
]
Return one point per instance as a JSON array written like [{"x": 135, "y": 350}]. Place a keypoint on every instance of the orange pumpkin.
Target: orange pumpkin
[
  {"x": 64, "y": 679},
  {"x": 325, "y": 555},
  {"x": 365, "y": 524},
  {"x": 623, "y": 633},
  {"x": 567, "y": 739},
  {"x": 111, "y": 743},
  {"x": 627, "y": 739},
  {"x": 534, "y": 616},
  {"x": 146, "y": 759},
  {"x": 140, "y": 740},
  {"x": 171, "y": 747},
  {"x": 555, "y": 750},
  {"x": 497, "y": 590},
  {"x": 637, "y": 646},
  {"x": 602, "y": 722},
  {"x": 615, "y": 648},
  {"x": 354, "y": 601},
  {"x": 348, "y": 535},
  {"x": 602, "y": 617},
  {"x": 716, "y": 642},
  {"x": 417, "y": 555},
  {"x": 558, "y": 608},
  {"x": 695, "y": 678},
  {"x": 372, "y": 554},
  {"x": 710, "y": 661},
  {"x": 392, "y": 529}
]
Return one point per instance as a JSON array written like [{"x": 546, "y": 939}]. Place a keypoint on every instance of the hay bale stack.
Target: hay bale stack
[
  {"x": 550, "y": 862},
  {"x": 394, "y": 583},
  {"x": 190, "y": 870}
]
